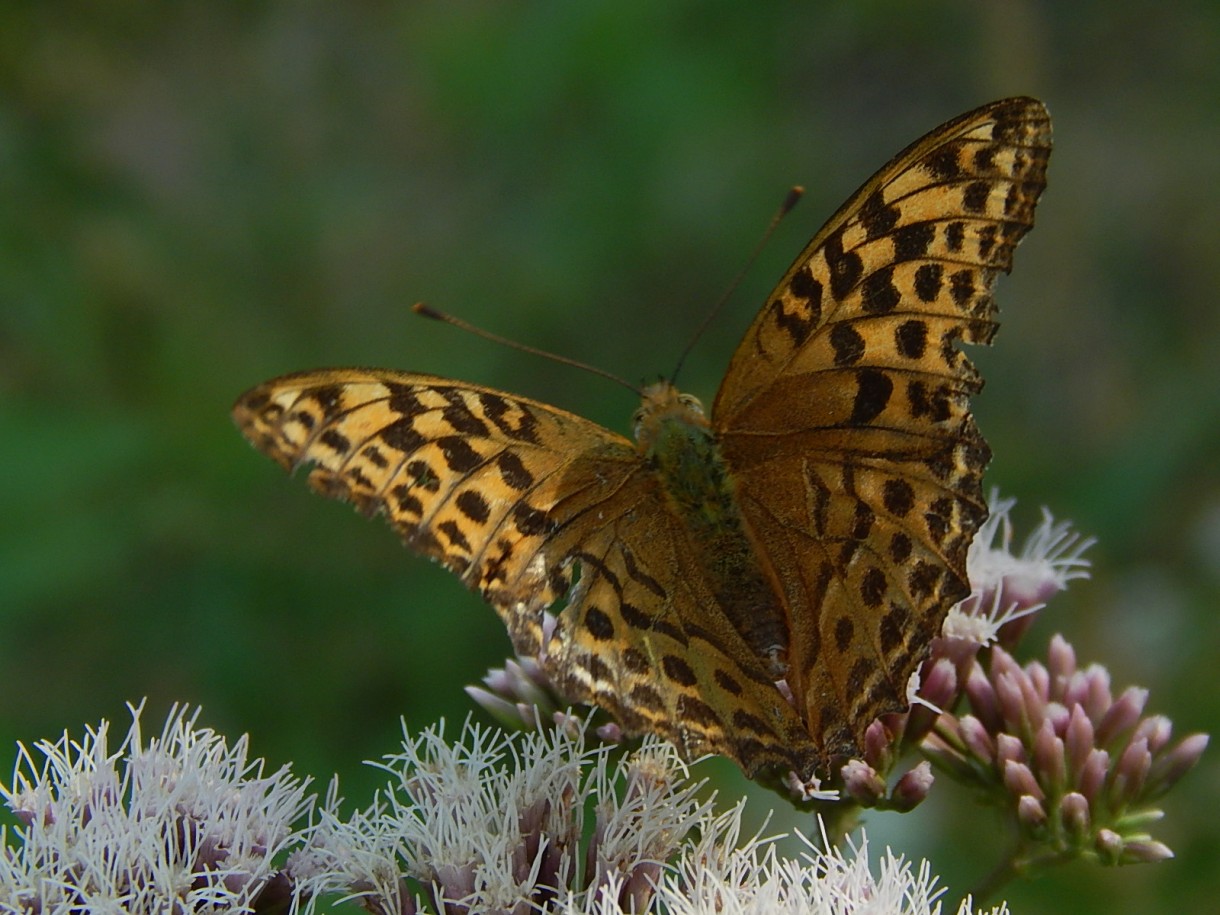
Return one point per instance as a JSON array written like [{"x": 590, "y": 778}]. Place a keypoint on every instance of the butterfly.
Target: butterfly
[{"x": 762, "y": 581}]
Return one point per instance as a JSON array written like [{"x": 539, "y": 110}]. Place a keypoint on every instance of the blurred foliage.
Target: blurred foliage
[{"x": 197, "y": 197}]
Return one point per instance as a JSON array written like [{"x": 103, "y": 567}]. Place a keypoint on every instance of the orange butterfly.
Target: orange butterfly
[{"x": 812, "y": 532}]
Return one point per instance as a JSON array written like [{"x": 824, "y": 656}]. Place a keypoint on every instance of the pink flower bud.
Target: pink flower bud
[
  {"x": 1130, "y": 773},
  {"x": 939, "y": 682},
  {"x": 1049, "y": 756},
  {"x": 1019, "y": 780},
  {"x": 983, "y": 701},
  {"x": 1122, "y": 716},
  {"x": 1061, "y": 664},
  {"x": 1074, "y": 812},
  {"x": 878, "y": 745},
  {"x": 862, "y": 782},
  {"x": 911, "y": 790},
  {"x": 1009, "y": 749},
  {"x": 1030, "y": 812},
  {"x": 1157, "y": 730},
  {"x": 1145, "y": 852},
  {"x": 1098, "y": 698},
  {"x": 1093, "y": 774},
  {"x": 1109, "y": 845},
  {"x": 1078, "y": 741},
  {"x": 1011, "y": 700},
  {"x": 1176, "y": 763},
  {"x": 977, "y": 739}
]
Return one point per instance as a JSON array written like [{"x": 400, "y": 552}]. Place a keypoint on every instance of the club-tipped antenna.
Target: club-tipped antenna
[
  {"x": 790, "y": 200},
  {"x": 428, "y": 311}
]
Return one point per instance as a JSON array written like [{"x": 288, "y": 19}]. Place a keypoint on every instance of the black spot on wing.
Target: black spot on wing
[
  {"x": 530, "y": 521},
  {"x": 404, "y": 399},
  {"x": 454, "y": 535},
  {"x": 955, "y": 236},
  {"x": 846, "y": 268},
  {"x": 974, "y": 197},
  {"x": 847, "y": 343},
  {"x": 473, "y": 506},
  {"x": 373, "y": 455},
  {"x": 329, "y": 397},
  {"x": 876, "y": 216},
  {"x": 894, "y": 627},
  {"x": 678, "y": 670},
  {"x": 961, "y": 286},
  {"x": 944, "y": 163},
  {"x": 873, "y": 389},
  {"x": 402, "y": 435},
  {"x": 844, "y": 632},
  {"x": 928, "y": 280},
  {"x": 793, "y": 323},
  {"x": 805, "y": 287},
  {"x": 460, "y": 418},
  {"x": 911, "y": 339},
  {"x": 497, "y": 410},
  {"x": 513, "y": 471},
  {"x": 335, "y": 441},
  {"x": 900, "y": 548},
  {"x": 878, "y": 294},
  {"x": 598, "y": 624},
  {"x": 912, "y": 241},
  {"x": 898, "y": 496},
  {"x": 872, "y": 588},
  {"x": 458, "y": 454}
]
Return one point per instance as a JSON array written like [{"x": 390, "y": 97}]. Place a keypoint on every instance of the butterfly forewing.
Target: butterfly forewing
[
  {"x": 938, "y": 220},
  {"x": 845, "y": 414},
  {"x": 466, "y": 475}
]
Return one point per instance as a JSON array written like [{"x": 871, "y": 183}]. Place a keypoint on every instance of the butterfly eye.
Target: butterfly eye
[
  {"x": 692, "y": 402},
  {"x": 637, "y": 423}
]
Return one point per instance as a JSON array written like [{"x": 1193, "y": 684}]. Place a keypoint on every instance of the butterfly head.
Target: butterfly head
[{"x": 664, "y": 406}]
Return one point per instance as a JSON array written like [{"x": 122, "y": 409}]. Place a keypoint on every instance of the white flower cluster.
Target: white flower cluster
[
  {"x": 487, "y": 824},
  {"x": 184, "y": 823},
  {"x": 496, "y": 823},
  {"x": 720, "y": 875}
]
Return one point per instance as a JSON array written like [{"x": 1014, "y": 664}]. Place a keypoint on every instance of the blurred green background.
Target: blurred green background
[{"x": 197, "y": 197}]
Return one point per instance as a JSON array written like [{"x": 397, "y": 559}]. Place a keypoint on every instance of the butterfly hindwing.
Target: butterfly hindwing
[{"x": 644, "y": 637}]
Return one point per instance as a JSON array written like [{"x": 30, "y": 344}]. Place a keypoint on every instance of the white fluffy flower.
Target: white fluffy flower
[
  {"x": 720, "y": 875},
  {"x": 495, "y": 823},
  {"x": 184, "y": 823},
  {"x": 1006, "y": 585}
]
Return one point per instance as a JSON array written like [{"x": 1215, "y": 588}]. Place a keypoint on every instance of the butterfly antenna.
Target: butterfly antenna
[
  {"x": 428, "y": 311},
  {"x": 790, "y": 200}
]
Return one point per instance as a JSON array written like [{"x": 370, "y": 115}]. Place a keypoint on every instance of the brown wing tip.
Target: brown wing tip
[{"x": 259, "y": 418}]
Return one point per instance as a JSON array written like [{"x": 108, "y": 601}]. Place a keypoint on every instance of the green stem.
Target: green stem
[
  {"x": 844, "y": 817},
  {"x": 1000, "y": 875},
  {"x": 1021, "y": 862}
]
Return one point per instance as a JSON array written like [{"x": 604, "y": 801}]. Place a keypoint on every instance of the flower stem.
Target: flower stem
[{"x": 1001, "y": 874}]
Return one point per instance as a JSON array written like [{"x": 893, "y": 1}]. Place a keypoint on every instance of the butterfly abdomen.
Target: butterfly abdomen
[{"x": 683, "y": 453}]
